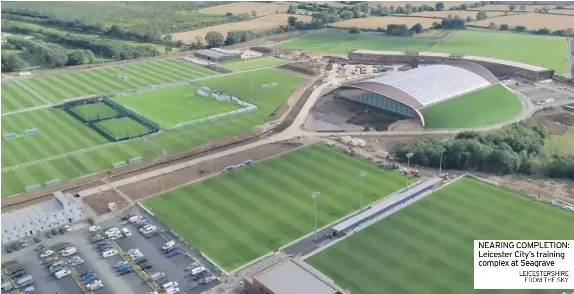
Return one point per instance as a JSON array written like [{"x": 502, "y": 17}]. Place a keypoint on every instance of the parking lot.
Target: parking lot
[{"x": 173, "y": 267}]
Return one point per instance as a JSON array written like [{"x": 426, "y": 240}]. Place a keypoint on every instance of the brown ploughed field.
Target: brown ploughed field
[
  {"x": 247, "y": 7},
  {"x": 255, "y": 25},
  {"x": 461, "y": 13}
]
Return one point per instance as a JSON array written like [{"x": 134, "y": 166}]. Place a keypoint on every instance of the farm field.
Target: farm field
[
  {"x": 336, "y": 41},
  {"x": 416, "y": 3},
  {"x": 58, "y": 132},
  {"x": 105, "y": 80},
  {"x": 431, "y": 241},
  {"x": 382, "y": 22},
  {"x": 94, "y": 111},
  {"x": 122, "y": 128},
  {"x": 532, "y": 21},
  {"x": 239, "y": 216},
  {"x": 174, "y": 105},
  {"x": 494, "y": 104},
  {"x": 501, "y": 7},
  {"x": 163, "y": 16},
  {"x": 15, "y": 97},
  {"x": 253, "y": 63},
  {"x": 246, "y": 7},
  {"x": 256, "y": 24},
  {"x": 562, "y": 11},
  {"x": 73, "y": 166},
  {"x": 461, "y": 13}
]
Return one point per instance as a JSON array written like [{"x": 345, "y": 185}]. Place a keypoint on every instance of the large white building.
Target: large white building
[{"x": 35, "y": 219}]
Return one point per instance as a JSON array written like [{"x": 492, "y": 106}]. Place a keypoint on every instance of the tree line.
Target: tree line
[{"x": 517, "y": 148}]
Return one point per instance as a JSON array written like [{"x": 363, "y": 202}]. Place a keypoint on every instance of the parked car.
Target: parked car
[
  {"x": 96, "y": 238},
  {"x": 109, "y": 253},
  {"x": 40, "y": 247},
  {"x": 46, "y": 253},
  {"x": 192, "y": 266},
  {"x": 156, "y": 276},
  {"x": 208, "y": 280},
  {"x": 168, "y": 245},
  {"x": 145, "y": 266},
  {"x": 199, "y": 275}
]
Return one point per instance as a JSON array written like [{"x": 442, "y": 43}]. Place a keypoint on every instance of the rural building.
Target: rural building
[
  {"x": 63, "y": 209},
  {"x": 216, "y": 55},
  {"x": 289, "y": 277},
  {"x": 500, "y": 68},
  {"x": 405, "y": 93}
]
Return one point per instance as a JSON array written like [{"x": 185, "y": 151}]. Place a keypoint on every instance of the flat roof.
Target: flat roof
[
  {"x": 384, "y": 204},
  {"x": 463, "y": 57},
  {"x": 290, "y": 277}
]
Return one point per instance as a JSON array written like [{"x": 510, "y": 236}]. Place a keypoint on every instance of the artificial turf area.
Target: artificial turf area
[
  {"x": 64, "y": 130},
  {"x": 491, "y": 105},
  {"x": 15, "y": 97},
  {"x": 122, "y": 128},
  {"x": 104, "y": 80},
  {"x": 254, "y": 63},
  {"x": 170, "y": 106},
  {"x": 427, "y": 247},
  {"x": 545, "y": 51},
  {"x": 94, "y": 111},
  {"x": 237, "y": 217}
]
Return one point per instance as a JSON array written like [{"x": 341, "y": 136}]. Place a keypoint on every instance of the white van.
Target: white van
[
  {"x": 109, "y": 253},
  {"x": 172, "y": 290},
  {"x": 28, "y": 290},
  {"x": 169, "y": 285},
  {"x": 149, "y": 230},
  {"x": 134, "y": 218},
  {"x": 112, "y": 231},
  {"x": 168, "y": 245},
  {"x": 157, "y": 276},
  {"x": 62, "y": 273},
  {"x": 68, "y": 251},
  {"x": 197, "y": 270},
  {"x": 126, "y": 232}
]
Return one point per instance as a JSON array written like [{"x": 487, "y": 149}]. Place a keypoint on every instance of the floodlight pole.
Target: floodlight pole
[
  {"x": 441, "y": 153},
  {"x": 314, "y": 196},
  {"x": 408, "y": 155},
  {"x": 361, "y": 178}
]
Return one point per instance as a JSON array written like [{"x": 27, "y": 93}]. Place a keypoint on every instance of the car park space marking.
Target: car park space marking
[
  {"x": 73, "y": 271},
  {"x": 135, "y": 267}
]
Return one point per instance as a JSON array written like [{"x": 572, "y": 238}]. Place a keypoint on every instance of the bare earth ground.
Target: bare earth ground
[
  {"x": 532, "y": 21},
  {"x": 382, "y": 22},
  {"x": 153, "y": 186},
  {"x": 556, "y": 121},
  {"x": 562, "y": 11},
  {"x": 246, "y": 7},
  {"x": 256, "y": 24},
  {"x": 269, "y": 40},
  {"x": 99, "y": 203}
]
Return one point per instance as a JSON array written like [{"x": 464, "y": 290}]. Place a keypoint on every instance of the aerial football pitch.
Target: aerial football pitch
[
  {"x": 487, "y": 106},
  {"x": 239, "y": 216},
  {"x": 544, "y": 51},
  {"x": 63, "y": 148},
  {"x": 431, "y": 241}
]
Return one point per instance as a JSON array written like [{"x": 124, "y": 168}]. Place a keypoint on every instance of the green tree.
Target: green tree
[
  {"x": 511, "y": 7},
  {"x": 439, "y": 6},
  {"x": 418, "y": 28},
  {"x": 520, "y": 28},
  {"x": 292, "y": 9},
  {"x": 523, "y": 8},
  {"x": 354, "y": 30},
  {"x": 504, "y": 27},
  {"x": 14, "y": 63},
  {"x": 214, "y": 39},
  {"x": 253, "y": 13},
  {"x": 291, "y": 20},
  {"x": 481, "y": 15}
]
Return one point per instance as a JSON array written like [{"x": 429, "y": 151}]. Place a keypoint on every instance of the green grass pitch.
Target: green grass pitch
[
  {"x": 104, "y": 80},
  {"x": 90, "y": 162},
  {"x": 242, "y": 65},
  {"x": 15, "y": 97},
  {"x": 122, "y": 128},
  {"x": 58, "y": 132},
  {"x": 491, "y": 105},
  {"x": 545, "y": 51},
  {"x": 427, "y": 247},
  {"x": 237, "y": 217},
  {"x": 94, "y": 111},
  {"x": 174, "y": 105}
]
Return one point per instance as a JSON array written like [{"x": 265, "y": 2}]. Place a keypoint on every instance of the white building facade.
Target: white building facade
[{"x": 64, "y": 209}]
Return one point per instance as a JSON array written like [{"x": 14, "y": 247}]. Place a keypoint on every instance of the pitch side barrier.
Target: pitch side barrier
[
  {"x": 152, "y": 126},
  {"x": 384, "y": 206}
]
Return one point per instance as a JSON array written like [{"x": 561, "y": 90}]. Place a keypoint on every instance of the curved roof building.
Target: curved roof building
[{"x": 404, "y": 93}]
